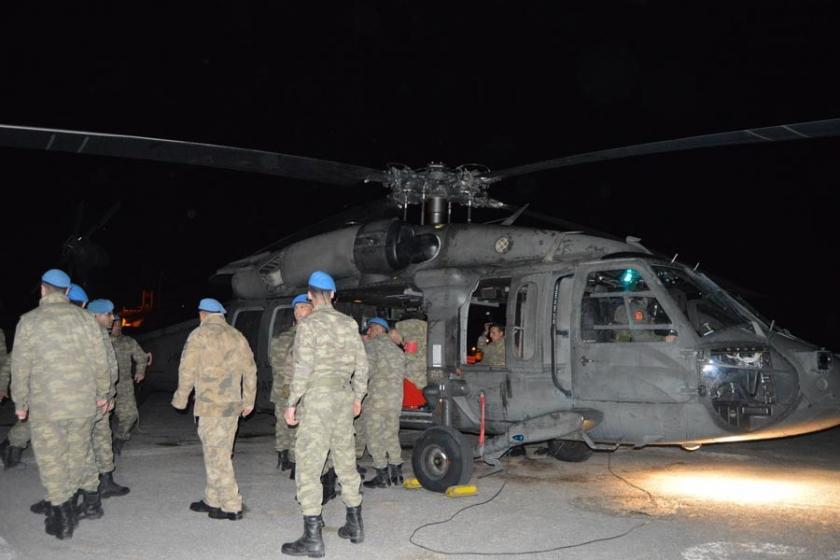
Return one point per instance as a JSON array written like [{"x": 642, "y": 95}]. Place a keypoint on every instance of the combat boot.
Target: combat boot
[
  {"x": 108, "y": 488},
  {"x": 11, "y": 456},
  {"x": 3, "y": 446},
  {"x": 381, "y": 479},
  {"x": 283, "y": 460},
  {"x": 311, "y": 543},
  {"x": 353, "y": 528},
  {"x": 66, "y": 519},
  {"x": 40, "y": 508},
  {"x": 292, "y": 470},
  {"x": 395, "y": 474},
  {"x": 117, "y": 445},
  {"x": 51, "y": 523},
  {"x": 91, "y": 506},
  {"x": 328, "y": 482}
]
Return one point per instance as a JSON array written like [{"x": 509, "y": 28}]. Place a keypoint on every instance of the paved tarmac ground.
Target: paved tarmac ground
[{"x": 763, "y": 500}]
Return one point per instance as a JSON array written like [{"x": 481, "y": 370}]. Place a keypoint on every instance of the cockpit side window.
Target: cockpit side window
[
  {"x": 487, "y": 322},
  {"x": 282, "y": 320},
  {"x": 617, "y": 306},
  {"x": 248, "y": 323}
]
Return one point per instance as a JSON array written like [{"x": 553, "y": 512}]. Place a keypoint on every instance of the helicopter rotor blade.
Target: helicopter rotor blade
[
  {"x": 105, "y": 219},
  {"x": 784, "y": 132},
  {"x": 190, "y": 153}
]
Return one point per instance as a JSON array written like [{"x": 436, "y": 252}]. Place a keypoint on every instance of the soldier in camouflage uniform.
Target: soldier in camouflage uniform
[
  {"x": 412, "y": 333},
  {"x": 282, "y": 365},
  {"x": 330, "y": 380},
  {"x": 217, "y": 361},
  {"x": 103, "y": 452},
  {"x": 19, "y": 434},
  {"x": 61, "y": 383},
  {"x": 127, "y": 351},
  {"x": 383, "y": 405},
  {"x": 494, "y": 351}
]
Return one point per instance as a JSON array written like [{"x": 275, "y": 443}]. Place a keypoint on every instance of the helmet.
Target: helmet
[
  {"x": 211, "y": 305},
  {"x": 379, "y": 321},
  {"x": 322, "y": 281},
  {"x": 77, "y": 294},
  {"x": 56, "y": 277},
  {"x": 300, "y": 298},
  {"x": 100, "y": 306}
]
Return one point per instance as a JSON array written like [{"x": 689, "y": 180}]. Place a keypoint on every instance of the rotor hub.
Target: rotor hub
[{"x": 465, "y": 185}]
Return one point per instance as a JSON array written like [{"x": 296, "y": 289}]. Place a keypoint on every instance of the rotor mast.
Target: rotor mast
[{"x": 436, "y": 188}]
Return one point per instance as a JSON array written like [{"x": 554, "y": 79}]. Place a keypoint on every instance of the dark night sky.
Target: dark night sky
[{"x": 501, "y": 83}]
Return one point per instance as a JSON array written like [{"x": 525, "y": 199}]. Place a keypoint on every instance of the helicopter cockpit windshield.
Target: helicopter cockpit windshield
[{"x": 703, "y": 303}]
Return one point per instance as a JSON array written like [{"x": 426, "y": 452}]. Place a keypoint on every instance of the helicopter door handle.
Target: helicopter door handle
[{"x": 584, "y": 360}]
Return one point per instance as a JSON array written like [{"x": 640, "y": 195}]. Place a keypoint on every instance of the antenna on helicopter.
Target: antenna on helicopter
[
  {"x": 696, "y": 266},
  {"x": 674, "y": 259}
]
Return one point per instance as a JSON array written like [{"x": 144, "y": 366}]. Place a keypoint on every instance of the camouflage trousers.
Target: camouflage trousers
[
  {"x": 19, "y": 434},
  {"x": 383, "y": 432},
  {"x": 217, "y": 434},
  {"x": 65, "y": 457},
  {"x": 125, "y": 411},
  {"x": 417, "y": 376},
  {"x": 284, "y": 435},
  {"x": 361, "y": 434},
  {"x": 103, "y": 451},
  {"x": 326, "y": 427}
]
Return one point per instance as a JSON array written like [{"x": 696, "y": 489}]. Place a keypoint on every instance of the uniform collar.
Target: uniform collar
[
  {"x": 216, "y": 318},
  {"x": 53, "y": 297}
]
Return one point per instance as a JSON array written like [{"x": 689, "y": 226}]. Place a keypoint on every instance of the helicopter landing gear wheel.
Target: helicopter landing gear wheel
[
  {"x": 569, "y": 450},
  {"x": 442, "y": 458}
]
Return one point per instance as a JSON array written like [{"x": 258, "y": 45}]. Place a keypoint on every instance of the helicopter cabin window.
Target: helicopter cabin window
[
  {"x": 486, "y": 323},
  {"x": 282, "y": 321},
  {"x": 618, "y": 307},
  {"x": 248, "y": 323},
  {"x": 523, "y": 339}
]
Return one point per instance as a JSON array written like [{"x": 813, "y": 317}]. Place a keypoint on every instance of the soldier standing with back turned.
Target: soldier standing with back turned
[
  {"x": 218, "y": 362},
  {"x": 61, "y": 383},
  {"x": 18, "y": 437},
  {"x": 328, "y": 352}
]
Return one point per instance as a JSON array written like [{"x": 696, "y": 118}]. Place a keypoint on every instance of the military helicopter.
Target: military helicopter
[{"x": 607, "y": 343}]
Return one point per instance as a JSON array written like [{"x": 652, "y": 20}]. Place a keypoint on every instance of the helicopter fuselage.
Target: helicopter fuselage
[{"x": 604, "y": 343}]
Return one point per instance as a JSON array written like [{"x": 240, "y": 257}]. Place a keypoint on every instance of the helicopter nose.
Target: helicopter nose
[{"x": 819, "y": 383}]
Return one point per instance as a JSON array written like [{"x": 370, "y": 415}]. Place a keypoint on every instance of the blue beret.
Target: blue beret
[
  {"x": 56, "y": 277},
  {"x": 211, "y": 305},
  {"x": 77, "y": 293},
  {"x": 100, "y": 306},
  {"x": 322, "y": 281},
  {"x": 301, "y": 298},
  {"x": 379, "y": 321}
]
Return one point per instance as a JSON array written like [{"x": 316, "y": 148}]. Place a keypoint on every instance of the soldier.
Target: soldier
[
  {"x": 328, "y": 351},
  {"x": 103, "y": 312},
  {"x": 77, "y": 295},
  {"x": 282, "y": 365},
  {"x": 60, "y": 382},
  {"x": 127, "y": 350},
  {"x": 19, "y": 435},
  {"x": 494, "y": 351},
  {"x": 383, "y": 405},
  {"x": 217, "y": 361},
  {"x": 412, "y": 333}
]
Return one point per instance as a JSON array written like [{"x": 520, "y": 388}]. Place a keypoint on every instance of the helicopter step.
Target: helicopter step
[{"x": 553, "y": 425}]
